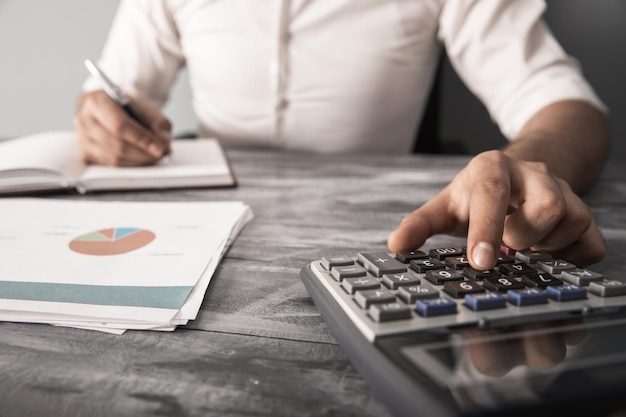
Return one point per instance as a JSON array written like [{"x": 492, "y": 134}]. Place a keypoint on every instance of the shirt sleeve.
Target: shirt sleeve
[
  {"x": 142, "y": 54},
  {"x": 508, "y": 58}
]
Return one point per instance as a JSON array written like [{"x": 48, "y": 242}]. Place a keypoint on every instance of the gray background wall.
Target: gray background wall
[{"x": 43, "y": 45}]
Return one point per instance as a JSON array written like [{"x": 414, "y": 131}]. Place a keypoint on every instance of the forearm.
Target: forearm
[{"x": 570, "y": 137}]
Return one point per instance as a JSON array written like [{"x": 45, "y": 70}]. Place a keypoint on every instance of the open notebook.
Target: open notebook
[{"x": 51, "y": 161}]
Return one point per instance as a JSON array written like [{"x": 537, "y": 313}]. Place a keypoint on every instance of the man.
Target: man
[{"x": 352, "y": 76}]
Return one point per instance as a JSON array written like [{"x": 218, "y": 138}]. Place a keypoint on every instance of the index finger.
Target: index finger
[
  {"x": 431, "y": 218},
  {"x": 122, "y": 126},
  {"x": 488, "y": 206}
]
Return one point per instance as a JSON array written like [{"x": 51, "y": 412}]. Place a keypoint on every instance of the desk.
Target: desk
[{"x": 259, "y": 346}]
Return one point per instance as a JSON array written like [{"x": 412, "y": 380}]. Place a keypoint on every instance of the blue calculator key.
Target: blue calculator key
[
  {"x": 435, "y": 307},
  {"x": 567, "y": 292},
  {"x": 485, "y": 301},
  {"x": 527, "y": 296}
]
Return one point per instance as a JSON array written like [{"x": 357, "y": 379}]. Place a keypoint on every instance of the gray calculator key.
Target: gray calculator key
[
  {"x": 352, "y": 285},
  {"x": 581, "y": 277},
  {"x": 379, "y": 263},
  {"x": 413, "y": 293},
  {"x": 349, "y": 271},
  {"x": 328, "y": 262},
  {"x": 555, "y": 266},
  {"x": 366, "y": 298},
  {"x": 607, "y": 288},
  {"x": 388, "y": 312},
  {"x": 531, "y": 256},
  {"x": 394, "y": 281}
]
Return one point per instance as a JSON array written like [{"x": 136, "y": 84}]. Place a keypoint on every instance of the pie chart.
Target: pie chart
[{"x": 113, "y": 241}]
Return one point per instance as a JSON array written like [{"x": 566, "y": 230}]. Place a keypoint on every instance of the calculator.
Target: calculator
[{"x": 434, "y": 337}]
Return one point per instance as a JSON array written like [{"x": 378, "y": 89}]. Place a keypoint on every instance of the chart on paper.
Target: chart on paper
[{"x": 113, "y": 241}]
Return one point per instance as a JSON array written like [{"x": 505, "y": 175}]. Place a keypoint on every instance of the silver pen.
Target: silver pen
[{"x": 116, "y": 95}]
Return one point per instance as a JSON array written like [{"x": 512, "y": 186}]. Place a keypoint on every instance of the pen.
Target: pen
[{"x": 116, "y": 95}]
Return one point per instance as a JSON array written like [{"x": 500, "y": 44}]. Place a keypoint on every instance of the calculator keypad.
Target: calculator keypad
[{"x": 391, "y": 293}]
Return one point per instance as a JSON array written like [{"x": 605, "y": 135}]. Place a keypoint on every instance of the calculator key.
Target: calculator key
[
  {"x": 506, "y": 250},
  {"x": 379, "y": 263},
  {"x": 531, "y": 256},
  {"x": 413, "y": 293},
  {"x": 394, "y": 281},
  {"x": 423, "y": 265},
  {"x": 458, "y": 289},
  {"x": 350, "y": 271},
  {"x": 352, "y": 285},
  {"x": 608, "y": 288},
  {"x": 366, "y": 298},
  {"x": 485, "y": 301},
  {"x": 555, "y": 266},
  {"x": 478, "y": 275},
  {"x": 541, "y": 280},
  {"x": 457, "y": 262},
  {"x": 567, "y": 292},
  {"x": 527, "y": 296},
  {"x": 516, "y": 269},
  {"x": 502, "y": 284},
  {"x": 389, "y": 312},
  {"x": 328, "y": 262},
  {"x": 441, "y": 253},
  {"x": 581, "y": 277},
  {"x": 503, "y": 258},
  {"x": 435, "y": 307},
  {"x": 439, "y": 276},
  {"x": 406, "y": 257}
]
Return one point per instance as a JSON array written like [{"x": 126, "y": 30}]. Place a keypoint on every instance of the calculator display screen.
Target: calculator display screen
[{"x": 538, "y": 363}]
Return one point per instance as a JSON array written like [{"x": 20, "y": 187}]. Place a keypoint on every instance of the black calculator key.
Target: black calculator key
[
  {"x": 516, "y": 269},
  {"x": 389, "y": 312},
  {"x": 406, "y": 257},
  {"x": 502, "y": 284},
  {"x": 439, "y": 276},
  {"x": 441, "y": 253},
  {"x": 541, "y": 280},
  {"x": 423, "y": 265},
  {"x": 478, "y": 275},
  {"x": 394, "y": 281},
  {"x": 503, "y": 258},
  {"x": 581, "y": 277},
  {"x": 457, "y": 262},
  {"x": 435, "y": 307},
  {"x": 608, "y": 288},
  {"x": 379, "y": 263},
  {"x": 368, "y": 297},
  {"x": 348, "y": 271},
  {"x": 413, "y": 293},
  {"x": 352, "y": 285},
  {"x": 458, "y": 289}
]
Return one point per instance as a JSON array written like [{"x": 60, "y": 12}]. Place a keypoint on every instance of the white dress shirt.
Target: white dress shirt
[{"x": 337, "y": 75}]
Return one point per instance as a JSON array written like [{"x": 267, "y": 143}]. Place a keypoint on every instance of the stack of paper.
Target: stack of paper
[{"x": 111, "y": 266}]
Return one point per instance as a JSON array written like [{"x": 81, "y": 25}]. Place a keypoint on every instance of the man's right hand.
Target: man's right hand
[{"x": 107, "y": 135}]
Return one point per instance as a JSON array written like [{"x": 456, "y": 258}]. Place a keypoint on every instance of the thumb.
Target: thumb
[{"x": 430, "y": 219}]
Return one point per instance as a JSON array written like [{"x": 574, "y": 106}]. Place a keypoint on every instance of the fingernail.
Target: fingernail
[
  {"x": 155, "y": 150},
  {"x": 484, "y": 255}
]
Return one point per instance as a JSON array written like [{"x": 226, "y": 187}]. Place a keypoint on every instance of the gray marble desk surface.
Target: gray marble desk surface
[{"x": 259, "y": 346}]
